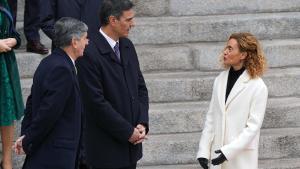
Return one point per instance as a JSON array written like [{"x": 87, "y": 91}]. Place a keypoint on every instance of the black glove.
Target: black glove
[
  {"x": 220, "y": 159},
  {"x": 203, "y": 162}
]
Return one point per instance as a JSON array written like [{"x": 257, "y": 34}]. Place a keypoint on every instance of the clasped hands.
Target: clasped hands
[
  {"x": 138, "y": 135},
  {"x": 17, "y": 147},
  {"x": 7, "y": 44},
  {"x": 216, "y": 161}
]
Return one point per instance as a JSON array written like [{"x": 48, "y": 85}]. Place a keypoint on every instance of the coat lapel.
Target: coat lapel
[
  {"x": 124, "y": 51},
  {"x": 59, "y": 51},
  {"x": 222, "y": 90},
  {"x": 237, "y": 88},
  {"x": 104, "y": 47}
]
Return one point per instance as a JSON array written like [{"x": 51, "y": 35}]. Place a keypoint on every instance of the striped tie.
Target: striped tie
[{"x": 117, "y": 51}]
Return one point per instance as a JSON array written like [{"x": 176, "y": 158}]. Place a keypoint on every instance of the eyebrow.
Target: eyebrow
[{"x": 129, "y": 18}]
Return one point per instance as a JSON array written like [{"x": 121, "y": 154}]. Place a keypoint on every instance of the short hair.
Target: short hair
[
  {"x": 67, "y": 28},
  {"x": 113, "y": 8},
  {"x": 255, "y": 61}
]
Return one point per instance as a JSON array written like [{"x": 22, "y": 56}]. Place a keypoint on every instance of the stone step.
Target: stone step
[
  {"x": 20, "y": 12},
  {"x": 186, "y": 57},
  {"x": 205, "y": 56},
  {"x": 195, "y": 7},
  {"x": 292, "y": 163},
  {"x": 171, "y": 149},
  {"x": 27, "y": 62},
  {"x": 168, "y": 30},
  {"x": 192, "y": 86},
  {"x": 216, "y": 7},
  {"x": 190, "y": 116}
]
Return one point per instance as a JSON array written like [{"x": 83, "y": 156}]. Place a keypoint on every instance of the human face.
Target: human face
[
  {"x": 80, "y": 44},
  {"x": 232, "y": 55},
  {"x": 125, "y": 22}
]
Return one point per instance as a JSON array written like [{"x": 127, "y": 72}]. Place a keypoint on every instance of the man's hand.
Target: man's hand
[
  {"x": 135, "y": 136},
  {"x": 142, "y": 131},
  {"x": 17, "y": 147},
  {"x": 220, "y": 159},
  {"x": 203, "y": 162}
]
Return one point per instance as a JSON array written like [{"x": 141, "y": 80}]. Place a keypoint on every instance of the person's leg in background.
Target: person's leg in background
[
  {"x": 13, "y": 4},
  {"x": 32, "y": 26}
]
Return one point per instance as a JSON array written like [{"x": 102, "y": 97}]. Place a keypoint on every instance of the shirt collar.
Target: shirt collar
[
  {"x": 73, "y": 61},
  {"x": 111, "y": 42}
]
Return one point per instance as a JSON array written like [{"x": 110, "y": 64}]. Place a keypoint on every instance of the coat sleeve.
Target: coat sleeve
[
  {"x": 27, "y": 115},
  {"x": 143, "y": 98},
  {"x": 253, "y": 124},
  {"x": 143, "y": 102},
  {"x": 208, "y": 130},
  {"x": 16, "y": 35},
  {"x": 107, "y": 118},
  {"x": 58, "y": 88}
]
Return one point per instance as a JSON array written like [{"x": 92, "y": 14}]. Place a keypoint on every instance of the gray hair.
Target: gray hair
[{"x": 67, "y": 28}]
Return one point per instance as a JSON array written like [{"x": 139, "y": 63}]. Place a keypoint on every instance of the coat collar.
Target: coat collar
[
  {"x": 59, "y": 51},
  {"x": 62, "y": 53},
  {"x": 238, "y": 87},
  {"x": 105, "y": 49}
]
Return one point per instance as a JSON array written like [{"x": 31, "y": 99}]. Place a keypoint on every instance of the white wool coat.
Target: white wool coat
[{"x": 234, "y": 126}]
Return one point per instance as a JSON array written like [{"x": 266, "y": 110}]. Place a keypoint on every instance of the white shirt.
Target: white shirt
[
  {"x": 111, "y": 42},
  {"x": 73, "y": 61}
]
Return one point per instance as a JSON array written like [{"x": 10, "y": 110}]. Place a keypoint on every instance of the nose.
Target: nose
[
  {"x": 132, "y": 23},
  {"x": 225, "y": 52}
]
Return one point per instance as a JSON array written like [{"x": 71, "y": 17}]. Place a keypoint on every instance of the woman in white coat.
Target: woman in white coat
[{"x": 231, "y": 133}]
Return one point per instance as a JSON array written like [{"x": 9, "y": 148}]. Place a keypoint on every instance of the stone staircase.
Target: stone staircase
[{"x": 178, "y": 43}]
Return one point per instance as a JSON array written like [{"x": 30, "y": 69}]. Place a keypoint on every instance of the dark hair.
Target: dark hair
[
  {"x": 113, "y": 8},
  {"x": 67, "y": 28}
]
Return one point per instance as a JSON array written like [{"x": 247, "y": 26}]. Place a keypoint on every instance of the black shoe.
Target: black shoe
[{"x": 36, "y": 47}]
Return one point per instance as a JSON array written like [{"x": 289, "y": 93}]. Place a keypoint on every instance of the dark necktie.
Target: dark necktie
[{"x": 117, "y": 51}]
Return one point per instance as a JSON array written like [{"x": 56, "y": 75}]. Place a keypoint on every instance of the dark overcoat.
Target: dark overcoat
[
  {"x": 115, "y": 99},
  {"x": 52, "y": 121}
]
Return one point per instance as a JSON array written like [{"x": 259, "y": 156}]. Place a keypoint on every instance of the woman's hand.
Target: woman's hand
[
  {"x": 4, "y": 47},
  {"x": 203, "y": 162},
  {"x": 11, "y": 42},
  {"x": 220, "y": 159},
  {"x": 7, "y": 44}
]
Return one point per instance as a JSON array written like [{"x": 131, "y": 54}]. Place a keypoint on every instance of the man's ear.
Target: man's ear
[
  {"x": 112, "y": 20},
  {"x": 74, "y": 43}
]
